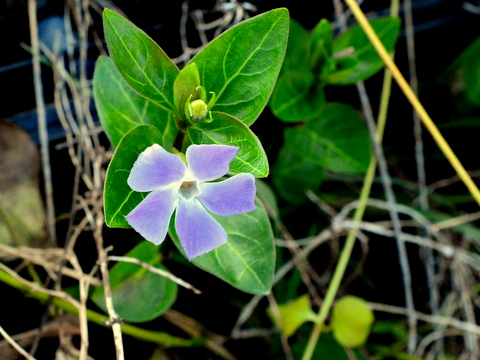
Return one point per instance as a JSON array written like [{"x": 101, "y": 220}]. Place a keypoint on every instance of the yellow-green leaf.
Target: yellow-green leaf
[
  {"x": 351, "y": 321},
  {"x": 294, "y": 314}
]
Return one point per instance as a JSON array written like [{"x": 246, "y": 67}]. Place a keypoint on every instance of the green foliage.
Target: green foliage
[
  {"x": 337, "y": 140},
  {"x": 119, "y": 199},
  {"x": 354, "y": 57},
  {"x": 186, "y": 85},
  {"x": 468, "y": 64},
  {"x": 225, "y": 129},
  {"x": 138, "y": 294},
  {"x": 242, "y": 65},
  {"x": 142, "y": 63},
  {"x": 247, "y": 260},
  {"x": 296, "y": 96},
  {"x": 351, "y": 321},
  {"x": 293, "y": 314},
  {"x": 316, "y": 60},
  {"x": 238, "y": 76},
  {"x": 121, "y": 108}
]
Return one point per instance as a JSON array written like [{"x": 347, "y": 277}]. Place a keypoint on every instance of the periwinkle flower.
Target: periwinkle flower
[{"x": 187, "y": 188}]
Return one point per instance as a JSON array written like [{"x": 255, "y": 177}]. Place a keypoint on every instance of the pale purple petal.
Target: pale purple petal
[
  {"x": 155, "y": 168},
  {"x": 197, "y": 230},
  {"x": 151, "y": 217},
  {"x": 210, "y": 162},
  {"x": 233, "y": 196}
]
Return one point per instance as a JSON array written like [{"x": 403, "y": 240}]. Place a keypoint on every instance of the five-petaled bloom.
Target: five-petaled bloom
[{"x": 185, "y": 187}]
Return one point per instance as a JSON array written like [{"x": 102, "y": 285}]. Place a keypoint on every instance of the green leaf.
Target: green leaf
[
  {"x": 142, "y": 63},
  {"x": 320, "y": 44},
  {"x": 138, "y": 295},
  {"x": 121, "y": 109},
  {"x": 242, "y": 64},
  {"x": 296, "y": 96},
  {"x": 354, "y": 43},
  {"x": 335, "y": 71},
  {"x": 337, "y": 140},
  {"x": 351, "y": 321},
  {"x": 247, "y": 260},
  {"x": 186, "y": 84},
  {"x": 294, "y": 174},
  {"x": 226, "y": 130},
  {"x": 471, "y": 78},
  {"x": 298, "y": 48},
  {"x": 294, "y": 314},
  {"x": 119, "y": 198}
]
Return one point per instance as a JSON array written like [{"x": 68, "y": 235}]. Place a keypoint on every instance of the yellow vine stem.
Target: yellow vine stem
[{"x": 410, "y": 95}]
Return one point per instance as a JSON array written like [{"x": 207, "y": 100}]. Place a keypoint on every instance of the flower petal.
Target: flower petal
[
  {"x": 155, "y": 168},
  {"x": 233, "y": 196},
  {"x": 210, "y": 162},
  {"x": 197, "y": 230},
  {"x": 151, "y": 217}
]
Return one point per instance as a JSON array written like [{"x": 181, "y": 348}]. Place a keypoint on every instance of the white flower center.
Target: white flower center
[{"x": 188, "y": 190}]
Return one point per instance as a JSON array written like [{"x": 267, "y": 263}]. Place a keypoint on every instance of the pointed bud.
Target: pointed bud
[{"x": 198, "y": 110}]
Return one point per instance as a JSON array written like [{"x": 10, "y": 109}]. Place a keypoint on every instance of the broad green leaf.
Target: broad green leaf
[
  {"x": 296, "y": 96},
  {"x": 471, "y": 77},
  {"x": 351, "y": 321},
  {"x": 298, "y": 48},
  {"x": 242, "y": 64},
  {"x": 247, "y": 260},
  {"x": 354, "y": 40},
  {"x": 469, "y": 64},
  {"x": 140, "y": 60},
  {"x": 294, "y": 314},
  {"x": 119, "y": 198},
  {"x": 320, "y": 45},
  {"x": 138, "y": 294},
  {"x": 121, "y": 109},
  {"x": 226, "y": 130},
  {"x": 337, "y": 140},
  {"x": 294, "y": 174},
  {"x": 335, "y": 71},
  {"x": 186, "y": 84}
]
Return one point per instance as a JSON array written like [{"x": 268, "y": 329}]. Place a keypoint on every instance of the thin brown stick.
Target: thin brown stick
[
  {"x": 42, "y": 119},
  {"x": 278, "y": 319},
  {"x": 15, "y": 345},
  {"x": 115, "y": 321},
  {"x": 155, "y": 270},
  {"x": 441, "y": 320}
]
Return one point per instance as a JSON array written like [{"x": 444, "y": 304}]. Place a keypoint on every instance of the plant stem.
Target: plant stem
[
  {"x": 342, "y": 262},
  {"x": 410, "y": 95},
  {"x": 359, "y": 212},
  {"x": 157, "y": 337}
]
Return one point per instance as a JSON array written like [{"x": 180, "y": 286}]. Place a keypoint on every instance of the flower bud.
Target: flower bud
[{"x": 198, "y": 110}]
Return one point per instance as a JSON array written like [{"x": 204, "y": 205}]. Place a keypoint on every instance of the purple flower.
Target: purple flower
[{"x": 175, "y": 185}]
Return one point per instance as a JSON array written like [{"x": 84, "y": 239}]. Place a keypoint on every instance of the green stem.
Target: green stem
[
  {"x": 342, "y": 262},
  {"x": 357, "y": 217},
  {"x": 413, "y": 99},
  {"x": 157, "y": 337}
]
